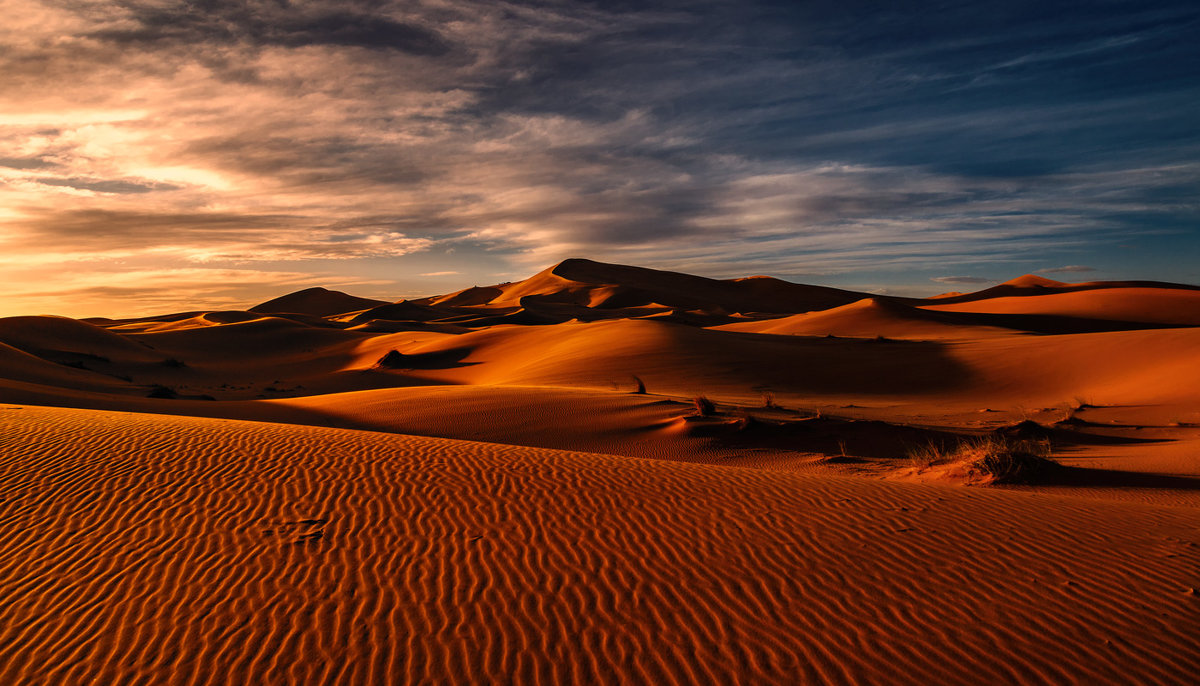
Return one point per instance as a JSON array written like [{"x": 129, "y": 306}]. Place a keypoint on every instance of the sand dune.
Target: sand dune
[
  {"x": 1032, "y": 284},
  {"x": 248, "y": 553},
  {"x": 333, "y": 489},
  {"x": 1175, "y": 307},
  {"x": 868, "y": 318},
  {"x": 606, "y": 286},
  {"x": 316, "y": 301}
]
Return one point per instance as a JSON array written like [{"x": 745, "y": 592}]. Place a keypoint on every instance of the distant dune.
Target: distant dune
[
  {"x": 1173, "y": 307},
  {"x": 316, "y": 301},
  {"x": 867, "y": 318},
  {"x": 608, "y": 474}
]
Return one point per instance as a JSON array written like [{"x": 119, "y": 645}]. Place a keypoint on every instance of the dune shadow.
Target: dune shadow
[
  {"x": 1051, "y": 324},
  {"x": 441, "y": 359},
  {"x": 818, "y": 364},
  {"x": 1089, "y": 477}
]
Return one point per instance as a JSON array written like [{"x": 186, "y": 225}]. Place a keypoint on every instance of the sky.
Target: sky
[{"x": 161, "y": 156}]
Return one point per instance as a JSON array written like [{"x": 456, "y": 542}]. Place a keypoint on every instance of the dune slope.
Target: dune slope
[
  {"x": 141, "y": 548},
  {"x": 1173, "y": 307}
]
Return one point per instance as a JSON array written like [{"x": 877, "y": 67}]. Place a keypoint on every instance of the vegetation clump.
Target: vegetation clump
[
  {"x": 160, "y": 391},
  {"x": 394, "y": 359},
  {"x": 996, "y": 459},
  {"x": 704, "y": 406}
]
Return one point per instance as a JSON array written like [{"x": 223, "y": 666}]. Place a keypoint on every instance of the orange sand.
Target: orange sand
[{"x": 298, "y": 504}]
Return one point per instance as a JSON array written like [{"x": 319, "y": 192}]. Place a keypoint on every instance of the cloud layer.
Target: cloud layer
[{"x": 390, "y": 144}]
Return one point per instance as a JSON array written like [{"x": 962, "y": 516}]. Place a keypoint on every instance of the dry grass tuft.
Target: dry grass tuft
[
  {"x": 704, "y": 406},
  {"x": 394, "y": 359},
  {"x": 997, "y": 459},
  {"x": 160, "y": 391},
  {"x": 926, "y": 456}
]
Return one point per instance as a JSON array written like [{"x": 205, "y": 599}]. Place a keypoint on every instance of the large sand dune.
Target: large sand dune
[
  {"x": 326, "y": 488},
  {"x": 244, "y": 553}
]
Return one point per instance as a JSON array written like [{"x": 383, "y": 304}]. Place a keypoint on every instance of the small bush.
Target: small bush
[
  {"x": 160, "y": 391},
  {"x": 641, "y": 385},
  {"x": 1013, "y": 462},
  {"x": 1000, "y": 459},
  {"x": 394, "y": 359},
  {"x": 704, "y": 406},
  {"x": 768, "y": 400},
  {"x": 926, "y": 456}
]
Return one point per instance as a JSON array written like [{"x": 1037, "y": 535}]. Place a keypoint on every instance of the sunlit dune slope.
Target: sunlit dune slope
[
  {"x": 600, "y": 285},
  {"x": 1175, "y": 307},
  {"x": 269, "y": 356},
  {"x": 1032, "y": 284},
  {"x": 1119, "y": 367},
  {"x": 867, "y": 318},
  {"x": 670, "y": 357},
  {"x": 141, "y": 548},
  {"x": 1122, "y": 366}
]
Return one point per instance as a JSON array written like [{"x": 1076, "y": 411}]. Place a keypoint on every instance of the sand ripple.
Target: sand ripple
[{"x": 149, "y": 549}]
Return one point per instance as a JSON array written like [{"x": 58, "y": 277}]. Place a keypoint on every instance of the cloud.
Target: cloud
[
  {"x": 439, "y": 273},
  {"x": 107, "y": 185},
  {"x": 961, "y": 279},
  {"x": 223, "y": 22},
  {"x": 25, "y": 163},
  {"x": 1068, "y": 269},
  {"x": 203, "y": 237},
  {"x": 724, "y": 138}
]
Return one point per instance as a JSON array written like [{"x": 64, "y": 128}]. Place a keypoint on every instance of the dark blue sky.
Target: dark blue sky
[{"x": 229, "y": 150}]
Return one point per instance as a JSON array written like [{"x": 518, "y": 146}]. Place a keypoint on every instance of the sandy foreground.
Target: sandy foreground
[{"x": 469, "y": 489}]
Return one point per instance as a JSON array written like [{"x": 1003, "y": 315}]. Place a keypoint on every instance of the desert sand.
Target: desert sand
[{"x": 472, "y": 488}]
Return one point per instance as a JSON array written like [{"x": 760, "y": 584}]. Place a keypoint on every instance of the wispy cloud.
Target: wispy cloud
[
  {"x": 961, "y": 279},
  {"x": 1068, "y": 269}
]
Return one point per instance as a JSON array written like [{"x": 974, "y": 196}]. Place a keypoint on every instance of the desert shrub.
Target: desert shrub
[
  {"x": 174, "y": 363},
  {"x": 1025, "y": 430},
  {"x": 1000, "y": 459},
  {"x": 768, "y": 400},
  {"x": 394, "y": 359},
  {"x": 641, "y": 385},
  {"x": 704, "y": 406},
  {"x": 743, "y": 420},
  {"x": 926, "y": 456},
  {"x": 1008, "y": 461},
  {"x": 160, "y": 391}
]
